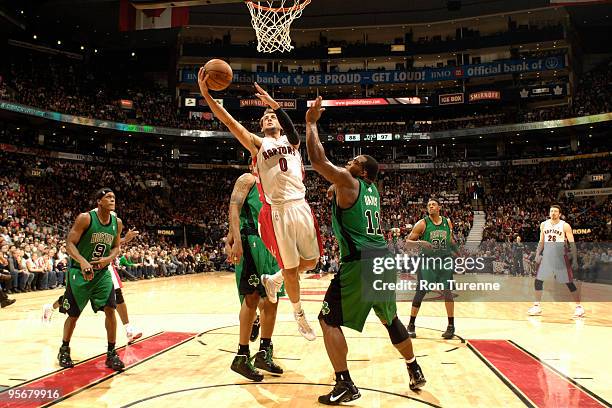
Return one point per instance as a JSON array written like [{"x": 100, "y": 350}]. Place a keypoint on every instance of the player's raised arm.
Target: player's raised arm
[
  {"x": 339, "y": 176},
  {"x": 284, "y": 119},
  {"x": 241, "y": 191},
  {"x": 249, "y": 140}
]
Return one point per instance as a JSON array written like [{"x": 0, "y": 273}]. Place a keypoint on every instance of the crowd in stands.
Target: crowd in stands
[
  {"x": 72, "y": 87},
  {"x": 518, "y": 199},
  {"x": 36, "y": 211}
]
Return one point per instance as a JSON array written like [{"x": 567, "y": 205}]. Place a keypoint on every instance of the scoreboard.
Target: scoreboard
[{"x": 375, "y": 137}]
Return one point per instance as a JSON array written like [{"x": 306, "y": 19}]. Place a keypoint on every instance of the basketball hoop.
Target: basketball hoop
[{"x": 272, "y": 20}]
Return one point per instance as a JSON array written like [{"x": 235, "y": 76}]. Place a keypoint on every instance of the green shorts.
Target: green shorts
[
  {"x": 435, "y": 276},
  {"x": 256, "y": 261},
  {"x": 99, "y": 291},
  {"x": 347, "y": 302}
]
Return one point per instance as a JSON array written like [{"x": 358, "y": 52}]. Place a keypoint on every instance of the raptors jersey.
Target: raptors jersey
[
  {"x": 280, "y": 171},
  {"x": 554, "y": 243}
]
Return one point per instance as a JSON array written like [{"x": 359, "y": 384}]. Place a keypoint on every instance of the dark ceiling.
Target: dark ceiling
[
  {"x": 93, "y": 20},
  {"x": 340, "y": 13}
]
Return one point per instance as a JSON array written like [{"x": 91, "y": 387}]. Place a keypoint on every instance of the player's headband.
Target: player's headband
[{"x": 102, "y": 192}]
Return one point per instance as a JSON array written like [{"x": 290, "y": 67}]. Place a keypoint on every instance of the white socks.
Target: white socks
[
  {"x": 411, "y": 360},
  {"x": 127, "y": 327},
  {"x": 297, "y": 307}
]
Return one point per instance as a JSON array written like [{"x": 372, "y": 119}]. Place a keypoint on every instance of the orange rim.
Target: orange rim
[{"x": 279, "y": 9}]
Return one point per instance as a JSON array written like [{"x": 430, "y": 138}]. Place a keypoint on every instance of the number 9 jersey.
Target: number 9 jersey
[{"x": 97, "y": 241}]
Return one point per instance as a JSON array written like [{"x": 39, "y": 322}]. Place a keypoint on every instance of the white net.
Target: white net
[{"x": 272, "y": 22}]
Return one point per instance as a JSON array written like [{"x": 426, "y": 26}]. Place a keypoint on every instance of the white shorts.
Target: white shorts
[
  {"x": 290, "y": 232},
  {"x": 557, "y": 269}
]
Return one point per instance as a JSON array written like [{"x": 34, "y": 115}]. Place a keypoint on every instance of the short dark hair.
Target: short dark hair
[
  {"x": 434, "y": 199},
  {"x": 101, "y": 193},
  {"x": 370, "y": 166},
  {"x": 268, "y": 110},
  {"x": 558, "y": 207}
]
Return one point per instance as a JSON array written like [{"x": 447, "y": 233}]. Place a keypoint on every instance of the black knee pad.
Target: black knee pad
[
  {"x": 119, "y": 296},
  {"x": 539, "y": 285},
  {"x": 418, "y": 298},
  {"x": 571, "y": 286},
  {"x": 397, "y": 331}
]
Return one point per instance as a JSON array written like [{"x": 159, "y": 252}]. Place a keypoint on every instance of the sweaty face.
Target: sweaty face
[
  {"x": 107, "y": 202},
  {"x": 554, "y": 213},
  {"x": 433, "y": 208},
  {"x": 269, "y": 121},
  {"x": 355, "y": 166}
]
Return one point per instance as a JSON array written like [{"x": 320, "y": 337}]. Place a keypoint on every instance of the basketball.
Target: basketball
[{"x": 219, "y": 74}]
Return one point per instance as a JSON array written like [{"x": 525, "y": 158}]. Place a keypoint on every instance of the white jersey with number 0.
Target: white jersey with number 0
[{"x": 280, "y": 171}]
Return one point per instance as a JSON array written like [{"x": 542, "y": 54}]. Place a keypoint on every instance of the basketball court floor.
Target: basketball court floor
[{"x": 499, "y": 358}]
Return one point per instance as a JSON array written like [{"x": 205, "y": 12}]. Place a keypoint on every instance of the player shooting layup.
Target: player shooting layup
[{"x": 286, "y": 223}]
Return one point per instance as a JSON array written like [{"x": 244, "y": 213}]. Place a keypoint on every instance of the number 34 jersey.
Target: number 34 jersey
[
  {"x": 98, "y": 240},
  {"x": 439, "y": 236},
  {"x": 280, "y": 171}
]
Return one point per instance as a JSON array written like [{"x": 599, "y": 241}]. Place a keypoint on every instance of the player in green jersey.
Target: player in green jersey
[
  {"x": 248, "y": 252},
  {"x": 434, "y": 234},
  {"x": 93, "y": 242},
  {"x": 356, "y": 225}
]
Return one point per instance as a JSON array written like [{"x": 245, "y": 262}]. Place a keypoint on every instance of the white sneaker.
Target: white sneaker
[
  {"x": 579, "y": 311},
  {"x": 271, "y": 288},
  {"x": 303, "y": 327},
  {"x": 47, "y": 313},
  {"x": 534, "y": 310},
  {"x": 133, "y": 334}
]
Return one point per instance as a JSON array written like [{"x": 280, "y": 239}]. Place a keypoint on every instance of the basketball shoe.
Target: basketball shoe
[
  {"x": 534, "y": 310},
  {"x": 132, "y": 334},
  {"x": 448, "y": 334},
  {"x": 263, "y": 361},
  {"x": 113, "y": 361},
  {"x": 271, "y": 287},
  {"x": 47, "y": 313},
  {"x": 243, "y": 365},
  {"x": 303, "y": 327},
  {"x": 64, "y": 357},
  {"x": 417, "y": 379},
  {"x": 579, "y": 311},
  {"x": 344, "y": 391}
]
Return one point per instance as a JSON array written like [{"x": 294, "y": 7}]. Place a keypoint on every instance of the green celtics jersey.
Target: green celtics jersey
[
  {"x": 439, "y": 236},
  {"x": 98, "y": 240},
  {"x": 250, "y": 212},
  {"x": 358, "y": 228}
]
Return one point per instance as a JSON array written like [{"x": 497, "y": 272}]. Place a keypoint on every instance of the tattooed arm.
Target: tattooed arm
[{"x": 241, "y": 191}]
